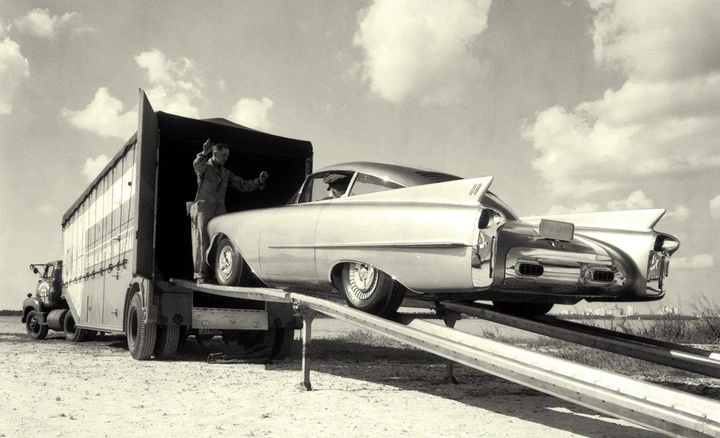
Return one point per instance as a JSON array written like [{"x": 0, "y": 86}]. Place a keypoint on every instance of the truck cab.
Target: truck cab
[{"x": 46, "y": 308}]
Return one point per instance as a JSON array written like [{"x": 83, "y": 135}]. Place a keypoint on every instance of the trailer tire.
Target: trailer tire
[
  {"x": 166, "y": 344},
  {"x": 72, "y": 332},
  {"x": 140, "y": 335},
  {"x": 34, "y": 328},
  {"x": 283, "y": 343}
]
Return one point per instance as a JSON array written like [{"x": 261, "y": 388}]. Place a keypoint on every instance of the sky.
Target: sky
[{"x": 573, "y": 106}]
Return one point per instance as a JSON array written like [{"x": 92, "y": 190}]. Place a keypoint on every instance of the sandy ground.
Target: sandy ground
[{"x": 95, "y": 389}]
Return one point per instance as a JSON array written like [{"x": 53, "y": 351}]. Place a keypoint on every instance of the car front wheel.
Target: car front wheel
[
  {"x": 228, "y": 264},
  {"x": 368, "y": 289}
]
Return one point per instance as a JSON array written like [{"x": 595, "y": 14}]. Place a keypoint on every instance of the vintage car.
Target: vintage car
[{"x": 378, "y": 233}]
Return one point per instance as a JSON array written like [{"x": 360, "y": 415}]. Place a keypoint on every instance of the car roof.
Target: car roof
[{"x": 407, "y": 176}]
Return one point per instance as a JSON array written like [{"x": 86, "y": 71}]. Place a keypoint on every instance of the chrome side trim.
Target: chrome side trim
[{"x": 440, "y": 245}]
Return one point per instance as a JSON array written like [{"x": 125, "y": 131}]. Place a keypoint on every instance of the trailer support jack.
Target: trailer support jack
[{"x": 308, "y": 315}]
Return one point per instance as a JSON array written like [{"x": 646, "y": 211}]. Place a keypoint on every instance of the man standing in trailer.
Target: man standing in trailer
[{"x": 213, "y": 179}]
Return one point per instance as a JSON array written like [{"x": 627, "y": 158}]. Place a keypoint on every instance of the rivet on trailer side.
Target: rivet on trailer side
[{"x": 128, "y": 232}]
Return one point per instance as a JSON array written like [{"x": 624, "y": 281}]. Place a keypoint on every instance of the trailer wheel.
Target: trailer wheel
[
  {"x": 140, "y": 335},
  {"x": 34, "y": 328},
  {"x": 229, "y": 264},
  {"x": 72, "y": 332},
  {"x": 258, "y": 344},
  {"x": 283, "y": 343},
  {"x": 166, "y": 343}
]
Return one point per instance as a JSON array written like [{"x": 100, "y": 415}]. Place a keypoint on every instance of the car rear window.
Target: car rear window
[{"x": 437, "y": 177}]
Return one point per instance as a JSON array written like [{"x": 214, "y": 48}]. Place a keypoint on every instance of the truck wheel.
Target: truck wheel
[
  {"x": 368, "y": 289},
  {"x": 166, "y": 344},
  {"x": 258, "y": 344},
  {"x": 72, "y": 332},
  {"x": 283, "y": 343},
  {"x": 229, "y": 264},
  {"x": 140, "y": 335},
  {"x": 34, "y": 328}
]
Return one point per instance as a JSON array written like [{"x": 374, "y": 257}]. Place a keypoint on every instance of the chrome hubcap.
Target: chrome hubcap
[
  {"x": 225, "y": 263},
  {"x": 361, "y": 281}
]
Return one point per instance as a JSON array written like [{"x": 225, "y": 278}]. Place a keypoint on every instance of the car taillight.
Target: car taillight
[
  {"x": 490, "y": 218},
  {"x": 666, "y": 244}
]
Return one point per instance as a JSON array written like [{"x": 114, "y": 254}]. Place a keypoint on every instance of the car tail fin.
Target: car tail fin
[{"x": 632, "y": 220}]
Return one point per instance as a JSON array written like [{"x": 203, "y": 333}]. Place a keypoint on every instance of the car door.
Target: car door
[{"x": 287, "y": 237}]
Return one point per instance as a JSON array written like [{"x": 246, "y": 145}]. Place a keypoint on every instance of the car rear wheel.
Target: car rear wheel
[
  {"x": 228, "y": 264},
  {"x": 368, "y": 289},
  {"x": 34, "y": 328},
  {"x": 523, "y": 309}
]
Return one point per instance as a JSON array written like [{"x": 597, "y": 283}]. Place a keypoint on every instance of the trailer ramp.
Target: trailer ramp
[
  {"x": 667, "y": 411},
  {"x": 665, "y": 353}
]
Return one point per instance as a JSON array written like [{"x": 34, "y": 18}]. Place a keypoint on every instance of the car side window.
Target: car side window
[
  {"x": 316, "y": 189},
  {"x": 366, "y": 184}
]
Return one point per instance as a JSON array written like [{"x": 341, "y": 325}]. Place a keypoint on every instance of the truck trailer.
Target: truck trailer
[{"x": 128, "y": 234}]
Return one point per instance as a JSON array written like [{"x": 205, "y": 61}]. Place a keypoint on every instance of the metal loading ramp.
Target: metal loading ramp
[{"x": 666, "y": 411}]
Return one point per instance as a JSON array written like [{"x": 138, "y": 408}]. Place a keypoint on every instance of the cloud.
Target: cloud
[
  {"x": 252, "y": 113},
  {"x": 715, "y": 207},
  {"x": 14, "y": 71},
  {"x": 103, "y": 116},
  {"x": 420, "y": 48},
  {"x": 174, "y": 85},
  {"x": 698, "y": 261},
  {"x": 93, "y": 166},
  {"x": 588, "y": 207},
  {"x": 174, "y": 88},
  {"x": 636, "y": 200},
  {"x": 41, "y": 24},
  {"x": 663, "y": 119},
  {"x": 679, "y": 213},
  {"x": 45, "y": 209}
]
